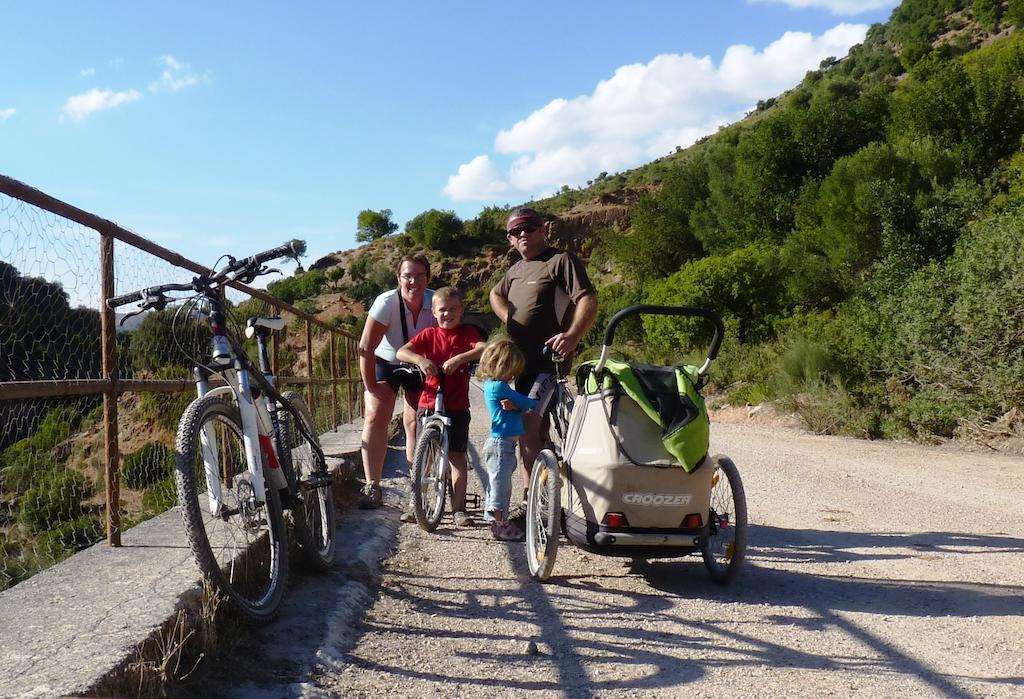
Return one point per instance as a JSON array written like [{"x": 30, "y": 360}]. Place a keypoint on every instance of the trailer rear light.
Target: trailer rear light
[
  {"x": 693, "y": 521},
  {"x": 615, "y": 519}
]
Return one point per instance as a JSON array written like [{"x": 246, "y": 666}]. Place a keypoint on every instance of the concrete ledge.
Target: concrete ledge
[{"x": 68, "y": 629}]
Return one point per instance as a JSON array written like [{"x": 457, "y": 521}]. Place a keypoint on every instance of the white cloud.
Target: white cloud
[
  {"x": 6, "y": 114},
  {"x": 87, "y": 72},
  {"x": 176, "y": 76},
  {"x": 839, "y": 7},
  {"x": 642, "y": 112},
  {"x": 81, "y": 106},
  {"x": 477, "y": 179}
]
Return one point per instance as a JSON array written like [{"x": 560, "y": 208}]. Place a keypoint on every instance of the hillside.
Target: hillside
[{"x": 859, "y": 234}]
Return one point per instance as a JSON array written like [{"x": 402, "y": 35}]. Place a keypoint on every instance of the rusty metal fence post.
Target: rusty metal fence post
[
  {"x": 310, "y": 389},
  {"x": 334, "y": 384},
  {"x": 109, "y": 352}
]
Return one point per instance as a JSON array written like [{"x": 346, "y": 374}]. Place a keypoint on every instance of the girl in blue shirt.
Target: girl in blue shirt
[{"x": 500, "y": 364}]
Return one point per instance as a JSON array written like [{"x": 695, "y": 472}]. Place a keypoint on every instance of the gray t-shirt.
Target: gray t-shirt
[
  {"x": 542, "y": 294},
  {"x": 385, "y": 309}
]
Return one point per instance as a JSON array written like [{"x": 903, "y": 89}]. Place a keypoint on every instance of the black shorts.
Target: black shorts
[
  {"x": 458, "y": 431},
  {"x": 412, "y": 381}
]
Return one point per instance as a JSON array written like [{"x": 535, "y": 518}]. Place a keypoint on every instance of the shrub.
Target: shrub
[
  {"x": 64, "y": 540},
  {"x": 13, "y": 564},
  {"x": 147, "y": 465},
  {"x": 160, "y": 497},
  {"x": 26, "y": 468},
  {"x": 57, "y": 498},
  {"x": 155, "y": 345},
  {"x": 805, "y": 363},
  {"x": 165, "y": 409},
  {"x": 301, "y": 286}
]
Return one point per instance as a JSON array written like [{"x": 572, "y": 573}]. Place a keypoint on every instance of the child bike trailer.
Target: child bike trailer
[{"x": 634, "y": 475}]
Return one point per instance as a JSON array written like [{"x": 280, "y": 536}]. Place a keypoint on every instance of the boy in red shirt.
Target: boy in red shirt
[{"x": 442, "y": 353}]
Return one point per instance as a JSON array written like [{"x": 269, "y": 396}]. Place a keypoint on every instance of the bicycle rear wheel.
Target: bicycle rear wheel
[
  {"x": 725, "y": 546},
  {"x": 430, "y": 478},
  {"x": 314, "y": 515},
  {"x": 238, "y": 542},
  {"x": 543, "y": 515}
]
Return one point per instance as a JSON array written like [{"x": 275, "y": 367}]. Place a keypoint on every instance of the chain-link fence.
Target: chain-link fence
[{"x": 89, "y": 406}]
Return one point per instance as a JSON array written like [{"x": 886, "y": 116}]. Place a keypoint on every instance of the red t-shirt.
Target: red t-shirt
[{"x": 439, "y": 345}]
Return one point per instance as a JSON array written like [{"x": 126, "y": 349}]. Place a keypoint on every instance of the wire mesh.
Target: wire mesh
[
  {"x": 51, "y": 466},
  {"x": 52, "y": 449}
]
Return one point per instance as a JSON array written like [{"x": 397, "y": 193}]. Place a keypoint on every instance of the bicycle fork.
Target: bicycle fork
[{"x": 257, "y": 427}]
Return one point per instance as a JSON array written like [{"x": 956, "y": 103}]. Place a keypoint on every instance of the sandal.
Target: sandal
[
  {"x": 507, "y": 531},
  {"x": 407, "y": 517},
  {"x": 462, "y": 519}
]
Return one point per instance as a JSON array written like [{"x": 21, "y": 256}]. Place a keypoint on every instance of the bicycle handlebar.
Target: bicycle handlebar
[{"x": 253, "y": 263}]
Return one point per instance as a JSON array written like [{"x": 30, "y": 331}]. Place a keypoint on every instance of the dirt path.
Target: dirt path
[{"x": 874, "y": 570}]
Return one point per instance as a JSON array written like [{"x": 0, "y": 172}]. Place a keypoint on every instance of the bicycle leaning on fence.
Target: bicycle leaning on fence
[{"x": 244, "y": 452}]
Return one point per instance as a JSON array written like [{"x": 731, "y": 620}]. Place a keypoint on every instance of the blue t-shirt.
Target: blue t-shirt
[{"x": 506, "y": 423}]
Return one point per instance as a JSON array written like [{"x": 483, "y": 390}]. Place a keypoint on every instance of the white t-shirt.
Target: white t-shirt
[{"x": 384, "y": 310}]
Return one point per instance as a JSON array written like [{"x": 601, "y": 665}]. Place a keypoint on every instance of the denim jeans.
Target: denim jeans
[{"x": 500, "y": 464}]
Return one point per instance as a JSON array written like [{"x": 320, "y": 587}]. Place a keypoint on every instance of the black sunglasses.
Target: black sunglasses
[{"x": 516, "y": 232}]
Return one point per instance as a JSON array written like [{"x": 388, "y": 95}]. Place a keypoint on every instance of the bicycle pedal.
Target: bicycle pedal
[
  {"x": 317, "y": 481},
  {"x": 473, "y": 501}
]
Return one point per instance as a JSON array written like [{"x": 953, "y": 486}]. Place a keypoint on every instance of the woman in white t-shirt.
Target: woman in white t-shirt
[{"x": 382, "y": 335}]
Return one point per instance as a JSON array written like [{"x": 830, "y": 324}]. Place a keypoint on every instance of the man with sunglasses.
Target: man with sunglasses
[{"x": 545, "y": 299}]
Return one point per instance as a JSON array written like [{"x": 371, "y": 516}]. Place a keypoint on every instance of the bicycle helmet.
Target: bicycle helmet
[{"x": 523, "y": 217}]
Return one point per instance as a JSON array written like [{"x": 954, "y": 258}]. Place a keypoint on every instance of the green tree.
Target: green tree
[
  {"x": 660, "y": 237},
  {"x": 372, "y": 225},
  {"x": 987, "y": 13},
  {"x": 743, "y": 286},
  {"x": 488, "y": 228},
  {"x": 1015, "y": 12},
  {"x": 169, "y": 338},
  {"x": 335, "y": 275},
  {"x": 437, "y": 230}
]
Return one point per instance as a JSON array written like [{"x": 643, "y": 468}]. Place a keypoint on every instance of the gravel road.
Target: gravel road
[{"x": 874, "y": 569}]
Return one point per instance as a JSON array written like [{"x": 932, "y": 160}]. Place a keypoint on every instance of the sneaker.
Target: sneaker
[
  {"x": 408, "y": 517},
  {"x": 462, "y": 519},
  {"x": 517, "y": 516},
  {"x": 372, "y": 497},
  {"x": 507, "y": 531}
]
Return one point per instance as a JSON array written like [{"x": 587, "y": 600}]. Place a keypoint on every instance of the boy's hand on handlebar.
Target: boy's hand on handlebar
[
  {"x": 452, "y": 365},
  {"x": 428, "y": 367}
]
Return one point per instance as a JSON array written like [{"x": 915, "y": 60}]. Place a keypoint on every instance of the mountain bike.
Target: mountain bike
[
  {"x": 244, "y": 451},
  {"x": 431, "y": 482},
  {"x": 543, "y": 511}
]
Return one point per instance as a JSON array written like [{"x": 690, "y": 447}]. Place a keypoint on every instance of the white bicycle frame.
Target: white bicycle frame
[{"x": 257, "y": 427}]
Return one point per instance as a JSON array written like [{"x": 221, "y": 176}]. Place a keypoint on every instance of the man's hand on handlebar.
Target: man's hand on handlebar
[{"x": 562, "y": 344}]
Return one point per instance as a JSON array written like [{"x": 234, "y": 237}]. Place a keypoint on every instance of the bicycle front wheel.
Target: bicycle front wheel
[
  {"x": 429, "y": 480},
  {"x": 315, "y": 519},
  {"x": 543, "y": 515},
  {"x": 238, "y": 540}
]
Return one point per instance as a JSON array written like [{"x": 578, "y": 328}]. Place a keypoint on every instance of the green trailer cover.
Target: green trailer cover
[{"x": 668, "y": 395}]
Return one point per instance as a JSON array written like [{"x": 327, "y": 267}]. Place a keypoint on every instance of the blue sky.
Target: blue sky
[{"x": 231, "y": 126}]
